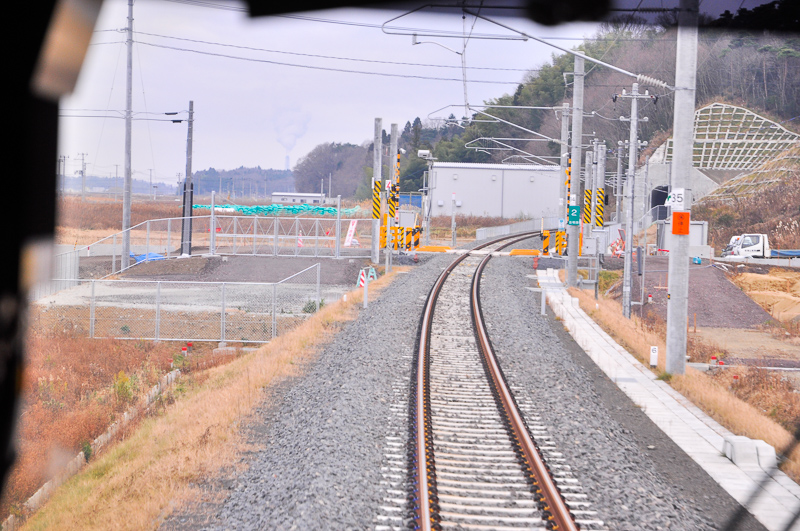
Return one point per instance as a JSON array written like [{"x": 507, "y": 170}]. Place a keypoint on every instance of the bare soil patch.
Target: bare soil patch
[
  {"x": 748, "y": 343},
  {"x": 777, "y": 291}
]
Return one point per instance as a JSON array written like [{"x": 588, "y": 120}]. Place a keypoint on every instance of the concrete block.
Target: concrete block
[
  {"x": 741, "y": 450},
  {"x": 224, "y": 351},
  {"x": 767, "y": 459}
]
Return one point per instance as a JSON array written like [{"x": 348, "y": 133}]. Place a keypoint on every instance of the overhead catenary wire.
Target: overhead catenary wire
[
  {"x": 339, "y": 58},
  {"x": 325, "y": 68}
]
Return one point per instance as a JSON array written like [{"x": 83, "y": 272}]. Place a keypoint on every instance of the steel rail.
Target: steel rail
[
  {"x": 555, "y": 509},
  {"x": 424, "y": 498}
]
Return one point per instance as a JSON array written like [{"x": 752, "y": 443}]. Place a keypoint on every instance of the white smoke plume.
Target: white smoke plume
[{"x": 290, "y": 124}]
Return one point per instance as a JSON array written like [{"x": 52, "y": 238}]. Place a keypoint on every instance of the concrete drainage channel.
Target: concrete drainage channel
[{"x": 41, "y": 496}]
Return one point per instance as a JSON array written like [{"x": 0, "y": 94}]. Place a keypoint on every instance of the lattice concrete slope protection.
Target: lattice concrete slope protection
[
  {"x": 727, "y": 137},
  {"x": 783, "y": 167}
]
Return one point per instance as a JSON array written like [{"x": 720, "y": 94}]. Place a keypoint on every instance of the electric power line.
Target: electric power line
[
  {"x": 377, "y": 61},
  {"x": 329, "y": 69}
]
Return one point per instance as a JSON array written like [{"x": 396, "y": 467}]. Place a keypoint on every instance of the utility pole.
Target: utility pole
[
  {"x": 126, "y": 192},
  {"x": 116, "y": 181},
  {"x": 600, "y": 186},
  {"x": 595, "y": 181},
  {"x": 83, "y": 176},
  {"x": 633, "y": 149},
  {"x": 188, "y": 190},
  {"x": 577, "y": 138},
  {"x": 453, "y": 221},
  {"x": 62, "y": 170},
  {"x": 376, "y": 177},
  {"x": 588, "y": 193},
  {"x": 618, "y": 194},
  {"x": 683, "y": 125},
  {"x": 391, "y": 178},
  {"x": 564, "y": 161}
]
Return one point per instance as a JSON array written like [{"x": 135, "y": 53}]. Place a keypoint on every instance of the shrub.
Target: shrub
[
  {"x": 86, "y": 448},
  {"x": 311, "y": 306},
  {"x": 123, "y": 388}
]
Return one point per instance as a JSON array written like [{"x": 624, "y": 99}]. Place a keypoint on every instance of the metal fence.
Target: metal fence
[
  {"x": 160, "y": 239},
  {"x": 186, "y": 311}
]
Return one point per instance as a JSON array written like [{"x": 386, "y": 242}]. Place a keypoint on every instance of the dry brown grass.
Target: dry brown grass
[
  {"x": 69, "y": 398},
  {"x": 138, "y": 482},
  {"x": 95, "y": 214},
  {"x": 739, "y": 411}
]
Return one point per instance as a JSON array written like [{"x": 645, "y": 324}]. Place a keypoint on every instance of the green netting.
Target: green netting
[{"x": 278, "y": 210}]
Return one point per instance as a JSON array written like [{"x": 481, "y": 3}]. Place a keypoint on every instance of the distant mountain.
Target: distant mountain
[{"x": 114, "y": 184}]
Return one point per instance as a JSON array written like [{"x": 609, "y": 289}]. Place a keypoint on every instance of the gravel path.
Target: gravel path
[
  {"x": 323, "y": 435},
  {"x": 715, "y": 300}
]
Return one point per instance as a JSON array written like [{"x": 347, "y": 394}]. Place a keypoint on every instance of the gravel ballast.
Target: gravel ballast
[
  {"x": 321, "y": 436},
  {"x": 635, "y": 476},
  {"x": 323, "y": 433}
]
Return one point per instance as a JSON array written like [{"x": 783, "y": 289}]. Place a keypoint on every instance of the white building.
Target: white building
[
  {"x": 298, "y": 198},
  {"x": 496, "y": 190}
]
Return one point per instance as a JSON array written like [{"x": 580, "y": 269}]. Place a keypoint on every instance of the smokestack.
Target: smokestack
[{"x": 287, "y": 162}]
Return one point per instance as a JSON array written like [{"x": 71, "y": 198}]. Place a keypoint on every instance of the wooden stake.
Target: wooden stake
[{"x": 695, "y": 322}]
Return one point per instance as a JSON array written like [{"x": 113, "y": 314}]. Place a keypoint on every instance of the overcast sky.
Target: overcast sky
[
  {"x": 252, "y": 107},
  {"x": 255, "y": 112}
]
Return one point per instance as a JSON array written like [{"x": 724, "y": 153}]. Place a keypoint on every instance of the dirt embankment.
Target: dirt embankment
[{"x": 777, "y": 291}]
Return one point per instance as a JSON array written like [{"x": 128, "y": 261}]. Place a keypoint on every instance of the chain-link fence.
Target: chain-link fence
[
  {"x": 185, "y": 311},
  {"x": 160, "y": 239}
]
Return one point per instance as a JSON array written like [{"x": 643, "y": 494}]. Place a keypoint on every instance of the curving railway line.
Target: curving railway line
[{"x": 485, "y": 464}]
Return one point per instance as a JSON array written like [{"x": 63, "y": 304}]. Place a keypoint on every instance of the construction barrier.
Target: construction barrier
[
  {"x": 406, "y": 238},
  {"x": 546, "y": 242}
]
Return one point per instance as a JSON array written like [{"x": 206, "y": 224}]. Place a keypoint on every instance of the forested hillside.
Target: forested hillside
[
  {"x": 756, "y": 70},
  {"x": 250, "y": 182}
]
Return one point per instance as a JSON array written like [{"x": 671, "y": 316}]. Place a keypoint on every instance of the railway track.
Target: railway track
[{"x": 485, "y": 463}]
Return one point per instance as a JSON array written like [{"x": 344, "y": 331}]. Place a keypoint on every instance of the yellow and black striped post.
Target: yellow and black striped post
[
  {"x": 408, "y": 233},
  {"x": 416, "y": 232},
  {"x": 561, "y": 242},
  {"x": 569, "y": 181},
  {"x": 394, "y": 193},
  {"x": 376, "y": 200},
  {"x": 545, "y": 242},
  {"x": 397, "y": 170},
  {"x": 600, "y": 207},
  {"x": 587, "y": 206}
]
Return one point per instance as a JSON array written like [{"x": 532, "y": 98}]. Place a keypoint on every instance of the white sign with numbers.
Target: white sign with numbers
[
  {"x": 675, "y": 199},
  {"x": 653, "y": 356}
]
